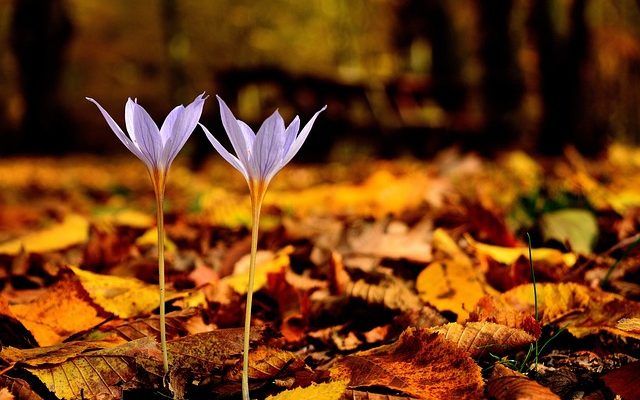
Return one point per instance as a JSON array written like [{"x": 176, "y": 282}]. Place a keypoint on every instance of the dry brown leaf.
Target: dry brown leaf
[
  {"x": 48, "y": 317},
  {"x": 17, "y": 388},
  {"x": 322, "y": 391},
  {"x": 451, "y": 282},
  {"x": 178, "y": 324},
  {"x": 506, "y": 384},
  {"x": 77, "y": 370},
  {"x": 195, "y": 358},
  {"x": 482, "y": 338},
  {"x": 420, "y": 364},
  {"x": 266, "y": 363},
  {"x": 123, "y": 297},
  {"x": 73, "y": 230},
  {"x": 584, "y": 310},
  {"x": 391, "y": 292},
  {"x": 394, "y": 240}
]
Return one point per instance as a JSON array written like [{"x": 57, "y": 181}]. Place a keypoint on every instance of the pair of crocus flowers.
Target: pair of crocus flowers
[{"x": 258, "y": 156}]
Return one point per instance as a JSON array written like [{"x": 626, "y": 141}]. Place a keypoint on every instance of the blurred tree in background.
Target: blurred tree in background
[{"x": 407, "y": 76}]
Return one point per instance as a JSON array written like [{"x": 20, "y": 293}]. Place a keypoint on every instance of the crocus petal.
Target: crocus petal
[
  {"x": 119, "y": 133},
  {"x": 234, "y": 131},
  {"x": 249, "y": 134},
  {"x": 182, "y": 129},
  {"x": 297, "y": 143},
  {"x": 267, "y": 149},
  {"x": 128, "y": 120},
  {"x": 167, "y": 126},
  {"x": 290, "y": 134},
  {"x": 230, "y": 158},
  {"x": 145, "y": 134}
]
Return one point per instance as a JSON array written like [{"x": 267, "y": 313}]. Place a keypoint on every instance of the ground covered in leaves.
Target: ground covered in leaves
[{"x": 377, "y": 280}]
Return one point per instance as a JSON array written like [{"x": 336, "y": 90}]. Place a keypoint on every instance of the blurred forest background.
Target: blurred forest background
[{"x": 399, "y": 76}]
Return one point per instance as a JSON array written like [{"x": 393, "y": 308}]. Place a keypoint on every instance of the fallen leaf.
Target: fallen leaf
[
  {"x": 394, "y": 240},
  {"x": 509, "y": 255},
  {"x": 577, "y": 227},
  {"x": 507, "y": 384},
  {"x": 178, "y": 324},
  {"x": 451, "y": 282},
  {"x": 195, "y": 358},
  {"x": 629, "y": 325},
  {"x": 150, "y": 238},
  {"x": 239, "y": 281},
  {"x": 323, "y": 391},
  {"x": 482, "y": 338},
  {"x": 17, "y": 388},
  {"x": 391, "y": 292},
  {"x": 420, "y": 364},
  {"x": 584, "y": 310},
  {"x": 125, "y": 217},
  {"x": 12, "y": 331},
  {"x": 488, "y": 310},
  {"x": 265, "y": 363},
  {"x": 48, "y": 317},
  {"x": 73, "y": 230},
  {"x": 84, "y": 370},
  {"x": 625, "y": 381},
  {"x": 5, "y": 394},
  {"x": 123, "y": 297}
]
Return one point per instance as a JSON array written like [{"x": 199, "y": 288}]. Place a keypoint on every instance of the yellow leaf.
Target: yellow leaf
[
  {"x": 240, "y": 281},
  {"x": 73, "y": 230},
  {"x": 322, "y": 391},
  {"x": 509, "y": 255},
  {"x": 150, "y": 238},
  {"x": 452, "y": 282},
  {"x": 126, "y": 217},
  {"x": 124, "y": 297},
  {"x": 629, "y": 325},
  {"x": 582, "y": 309}
]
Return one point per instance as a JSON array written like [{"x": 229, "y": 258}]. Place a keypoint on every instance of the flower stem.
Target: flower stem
[
  {"x": 158, "y": 179},
  {"x": 257, "y": 195}
]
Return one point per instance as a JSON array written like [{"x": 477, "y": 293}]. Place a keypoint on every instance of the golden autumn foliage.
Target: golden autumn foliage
[
  {"x": 389, "y": 281},
  {"x": 452, "y": 282}
]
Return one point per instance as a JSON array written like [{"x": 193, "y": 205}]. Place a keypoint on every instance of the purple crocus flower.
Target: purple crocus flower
[
  {"x": 259, "y": 157},
  {"x": 157, "y": 148}
]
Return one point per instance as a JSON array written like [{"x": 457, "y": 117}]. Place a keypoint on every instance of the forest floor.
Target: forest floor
[{"x": 378, "y": 280}]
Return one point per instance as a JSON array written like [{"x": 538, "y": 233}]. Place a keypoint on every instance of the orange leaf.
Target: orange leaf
[
  {"x": 420, "y": 364},
  {"x": 62, "y": 310}
]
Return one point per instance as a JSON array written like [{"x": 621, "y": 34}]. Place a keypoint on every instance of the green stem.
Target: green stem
[
  {"x": 258, "y": 191},
  {"x": 159, "y": 182}
]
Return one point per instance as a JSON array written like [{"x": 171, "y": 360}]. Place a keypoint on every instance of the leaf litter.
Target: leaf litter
[{"x": 402, "y": 280}]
